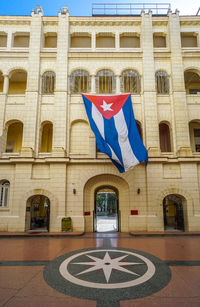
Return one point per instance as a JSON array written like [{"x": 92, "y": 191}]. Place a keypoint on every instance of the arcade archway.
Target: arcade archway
[
  {"x": 37, "y": 213},
  {"x": 173, "y": 213}
]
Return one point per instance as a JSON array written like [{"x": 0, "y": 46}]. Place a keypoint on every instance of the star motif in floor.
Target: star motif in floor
[{"x": 107, "y": 264}]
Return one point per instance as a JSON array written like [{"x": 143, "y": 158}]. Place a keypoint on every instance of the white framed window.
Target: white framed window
[{"x": 4, "y": 193}]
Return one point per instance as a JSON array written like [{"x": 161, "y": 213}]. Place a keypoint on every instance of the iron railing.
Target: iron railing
[{"x": 127, "y": 9}]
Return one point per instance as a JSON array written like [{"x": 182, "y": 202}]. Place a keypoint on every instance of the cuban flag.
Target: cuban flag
[{"x": 113, "y": 123}]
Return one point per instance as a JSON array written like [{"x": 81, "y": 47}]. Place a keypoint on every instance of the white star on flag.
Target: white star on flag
[{"x": 106, "y": 106}]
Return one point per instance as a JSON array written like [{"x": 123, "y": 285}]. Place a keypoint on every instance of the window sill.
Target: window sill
[
  {"x": 4, "y": 209},
  {"x": 10, "y": 154}
]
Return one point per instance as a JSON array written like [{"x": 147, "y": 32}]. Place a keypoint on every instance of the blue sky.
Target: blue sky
[{"x": 83, "y": 7}]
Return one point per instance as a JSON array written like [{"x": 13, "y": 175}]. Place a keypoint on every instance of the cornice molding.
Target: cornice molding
[
  {"x": 190, "y": 22},
  {"x": 15, "y": 22},
  {"x": 50, "y": 23},
  {"x": 104, "y": 22}
]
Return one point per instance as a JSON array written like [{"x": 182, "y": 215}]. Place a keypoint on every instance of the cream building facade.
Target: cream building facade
[{"x": 48, "y": 156}]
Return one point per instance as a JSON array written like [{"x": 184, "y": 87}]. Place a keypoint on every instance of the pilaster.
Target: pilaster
[
  {"x": 149, "y": 95},
  {"x": 178, "y": 90},
  {"x": 93, "y": 41},
  {"x": 117, "y": 46},
  {"x": 3, "y": 99},
  {"x": 61, "y": 96},
  {"x": 32, "y": 117}
]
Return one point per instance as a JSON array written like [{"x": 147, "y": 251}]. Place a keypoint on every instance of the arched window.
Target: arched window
[
  {"x": 14, "y": 137},
  {"x": 139, "y": 128},
  {"x": 130, "y": 82},
  {"x": 80, "y": 81},
  {"x": 17, "y": 82},
  {"x": 46, "y": 139},
  {"x": 162, "y": 82},
  {"x": 164, "y": 134},
  {"x": 4, "y": 193},
  {"x": 192, "y": 82},
  {"x": 48, "y": 82},
  {"x": 105, "y": 82}
]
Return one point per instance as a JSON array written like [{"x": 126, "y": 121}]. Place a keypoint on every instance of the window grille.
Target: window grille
[
  {"x": 105, "y": 82},
  {"x": 4, "y": 193},
  {"x": 162, "y": 82},
  {"x": 80, "y": 81},
  {"x": 130, "y": 82},
  {"x": 48, "y": 82}
]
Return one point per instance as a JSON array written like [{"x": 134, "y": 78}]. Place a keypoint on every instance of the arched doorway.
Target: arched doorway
[
  {"x": 106, "y": 213},
  {"x": 37, "y": 214},
  {"x": 173, "y": 213}
]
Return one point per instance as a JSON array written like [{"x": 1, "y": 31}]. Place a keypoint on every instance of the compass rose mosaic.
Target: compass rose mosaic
[{"x": 105, "y": 273}]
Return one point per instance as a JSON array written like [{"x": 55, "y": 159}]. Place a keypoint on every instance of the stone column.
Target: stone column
[
  {"x": 32, "y": 109},
  {"x": 118, "y": 84},
  {"x": 178, "y": 87},
  {"x": 6, "y": 84},
  {"x": 93, "y": 84},
  {"x": 149, "y": 98}
]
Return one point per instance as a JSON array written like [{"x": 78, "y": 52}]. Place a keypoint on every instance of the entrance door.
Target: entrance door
[
  {"x": 37, "y": 213},
  {"x": 106, "y": 213},
  {"x": 173, "y": 213}
]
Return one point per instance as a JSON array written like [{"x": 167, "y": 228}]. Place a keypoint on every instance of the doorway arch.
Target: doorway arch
[
  {"x": 119, "y": 185},
  {"x": 173, "y": 213},
  {"x": 37, "y": 213},
  {"x": 106, "y": 209}
]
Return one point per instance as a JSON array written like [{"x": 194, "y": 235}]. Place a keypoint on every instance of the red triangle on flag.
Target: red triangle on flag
[{"x": 108, "y": 106}]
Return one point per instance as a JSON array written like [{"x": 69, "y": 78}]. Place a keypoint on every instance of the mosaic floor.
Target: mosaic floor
[{"x": 100, "y": 270}]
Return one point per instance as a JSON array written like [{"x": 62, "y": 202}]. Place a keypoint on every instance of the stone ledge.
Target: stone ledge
[
  {"x": 39, "y": 234},
  {"x": 163, "y": 234}
]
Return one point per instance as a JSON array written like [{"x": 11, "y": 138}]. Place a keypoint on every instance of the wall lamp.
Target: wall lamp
[{"x": 138, "y": 190}]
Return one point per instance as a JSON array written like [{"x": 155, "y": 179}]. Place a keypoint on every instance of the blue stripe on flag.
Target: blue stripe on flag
[{"x": 134, "y": 138}]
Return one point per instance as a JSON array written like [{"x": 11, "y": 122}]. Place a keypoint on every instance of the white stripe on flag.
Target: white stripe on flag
[
  {"x": 98, "y": 119},
  {"x": 129, "y": 159}
]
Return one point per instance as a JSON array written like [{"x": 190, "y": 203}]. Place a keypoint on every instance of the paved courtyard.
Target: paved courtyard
[{"x": 100, "y": 270}]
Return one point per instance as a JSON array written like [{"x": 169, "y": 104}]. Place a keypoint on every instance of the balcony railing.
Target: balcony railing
[{"x": 129, "y": 9}]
